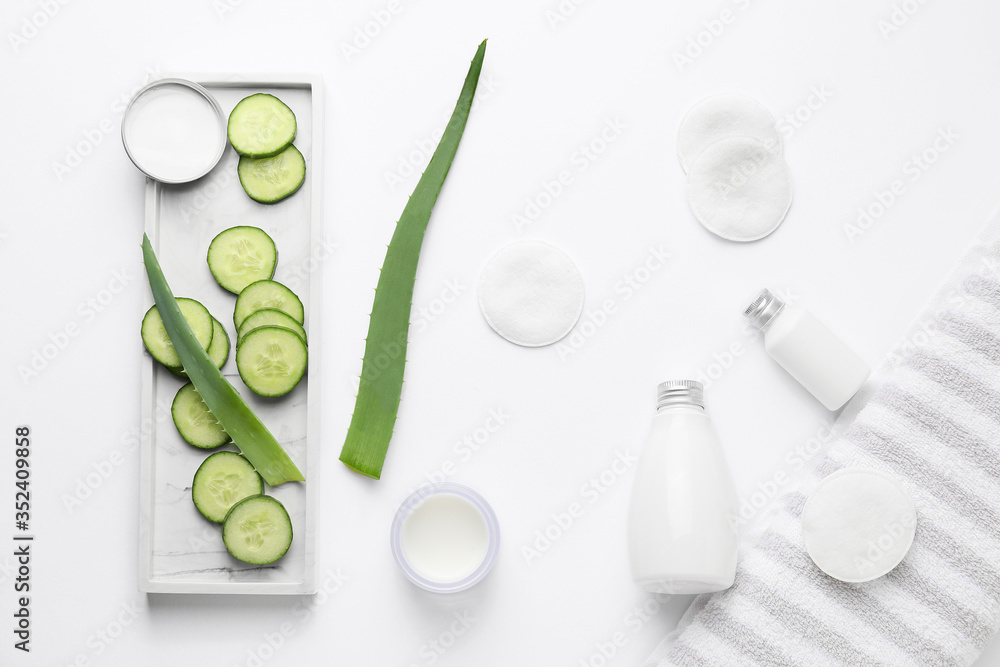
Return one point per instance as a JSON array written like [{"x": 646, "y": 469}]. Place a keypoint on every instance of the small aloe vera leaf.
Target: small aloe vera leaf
[
  {"x": 247, "y": 431},
  {"x": 385, "y": 348}
]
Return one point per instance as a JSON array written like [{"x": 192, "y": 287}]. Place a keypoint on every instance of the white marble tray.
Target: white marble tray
[{"x": 179, "y": 550}]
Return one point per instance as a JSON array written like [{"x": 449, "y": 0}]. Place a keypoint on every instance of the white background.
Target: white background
[{"x": 547, "y": 89}]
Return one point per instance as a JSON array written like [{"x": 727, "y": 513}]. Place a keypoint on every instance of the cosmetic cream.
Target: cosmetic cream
[
  {"x": 445, "y": 538},
  {"x": 173, "y": 131}
]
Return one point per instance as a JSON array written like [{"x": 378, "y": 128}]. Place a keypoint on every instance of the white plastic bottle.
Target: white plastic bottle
[
  {"x": 808, "y": 350},
  {"x": 682, "y": 524}
]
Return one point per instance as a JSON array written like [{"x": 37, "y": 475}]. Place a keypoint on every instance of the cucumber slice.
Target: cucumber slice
[
  {"x": 271, "y": 179},
  {"x": 156, "y": 340},
  {"x": 193, "y": 420},
  {"x": 271, "y": 360},
  {"x": 239, "y": 256},
  {"x": 257, "y": 530},
  {"x": 267, "y": 294},
  {"x": 218, "y": 350},
  {"x": 261, "y": 125},
  {"x": 266, "y": 317},
  {"x": 222, "y": 480}
]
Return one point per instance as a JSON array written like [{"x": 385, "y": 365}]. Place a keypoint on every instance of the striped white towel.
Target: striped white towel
[{"x": 931, "y": 418}]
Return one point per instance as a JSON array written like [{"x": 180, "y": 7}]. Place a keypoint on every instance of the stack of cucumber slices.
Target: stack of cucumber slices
[
  {"x": 261, "y": 129},
  {"x": 256, "y": 528},
  {"x": 271, "y": 357}
]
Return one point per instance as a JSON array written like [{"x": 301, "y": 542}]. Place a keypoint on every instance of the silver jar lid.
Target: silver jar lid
[
  {"x": 680, "y": 392},
  {"x": 764, "y": 309}
]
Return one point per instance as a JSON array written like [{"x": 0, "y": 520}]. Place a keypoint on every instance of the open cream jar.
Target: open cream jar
[
  {"x": 174, "y": 131},
  {"x": 445, "y": 538}
]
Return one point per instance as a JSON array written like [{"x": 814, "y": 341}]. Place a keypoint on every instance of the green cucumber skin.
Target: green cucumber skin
[
  {"x": 298, "y": 315},
  {"x": 281, "y": 319},
  {"x": 222, "y": 356},
  {"x": 377, "y": 402},
  {"x": 180, "y": 422},
  {"x": 219, "y": 273},
  {"x": 260, "y": 154},
  {"x": 279, "y": 326},
  {"x": 232, "y": 549},
  {"x": 243, "y": 170},
  {"x": 214, "y": 459},
  {"x": 159, "y": 356},
  {"x": 262, "y": 332}
]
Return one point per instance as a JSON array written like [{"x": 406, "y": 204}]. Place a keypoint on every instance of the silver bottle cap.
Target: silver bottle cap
[
  {"x": 764, "y": 309},
  {"x": 680, "y": 392}
]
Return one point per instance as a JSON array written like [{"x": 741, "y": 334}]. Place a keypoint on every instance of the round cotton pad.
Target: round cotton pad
[
  {"x": 739, "y": 190},
  {"x": 858, "y": 524},
  {"x": 531, "y": 293},
  {"x": 722, "y": 116}
]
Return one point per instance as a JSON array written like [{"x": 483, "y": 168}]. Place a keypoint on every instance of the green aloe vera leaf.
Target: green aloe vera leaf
[
  {"x": 385, "y": 348},
  {"x": 247, "y": 431}
]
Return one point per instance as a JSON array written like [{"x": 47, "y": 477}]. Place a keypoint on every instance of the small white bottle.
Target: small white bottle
[
  {"x": 682, "y": 524},
  {"x": 808, "y": 350}
]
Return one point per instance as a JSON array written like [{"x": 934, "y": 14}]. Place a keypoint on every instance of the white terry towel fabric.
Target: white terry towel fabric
[{"x": 930, "y": 418}]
